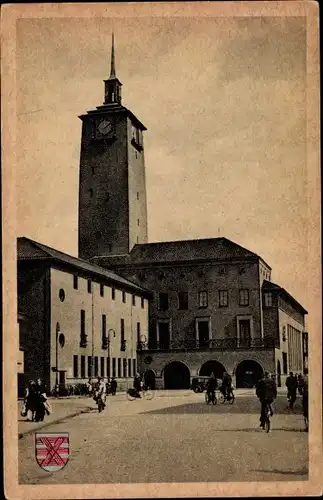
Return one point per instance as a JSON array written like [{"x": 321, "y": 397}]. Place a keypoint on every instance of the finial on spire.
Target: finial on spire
[{"x": 113, "y": 62}]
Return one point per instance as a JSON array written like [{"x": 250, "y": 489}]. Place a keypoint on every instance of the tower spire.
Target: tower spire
[
  {"x": 112, "y": 90},
  {"x": 113, "y": 61}
]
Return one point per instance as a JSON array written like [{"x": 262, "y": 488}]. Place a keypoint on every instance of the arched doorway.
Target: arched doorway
[
  {"x": 150, "y": 379},
  {"x": 210, "y": 367},
  {"x": 279, "y": 382},
  {"x": 176, "y": 376},
  {"x": 248, "y": 373}
]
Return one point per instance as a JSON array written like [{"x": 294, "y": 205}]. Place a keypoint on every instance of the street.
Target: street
[{"x": 175, "y": 438}]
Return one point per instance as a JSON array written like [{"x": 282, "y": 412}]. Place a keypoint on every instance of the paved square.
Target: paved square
[{"x": 176, "y": 438}]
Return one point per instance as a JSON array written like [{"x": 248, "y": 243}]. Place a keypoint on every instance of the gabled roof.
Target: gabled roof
[
  {"x": 187, "y": 250},
  {"x": 30, "y": 250},
  {"x": 269, "y": 286}
]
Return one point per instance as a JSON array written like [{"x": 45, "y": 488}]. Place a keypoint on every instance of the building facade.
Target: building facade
[
  {"x": 80, "y": 321},
  {"x": 207, "y": 313}
]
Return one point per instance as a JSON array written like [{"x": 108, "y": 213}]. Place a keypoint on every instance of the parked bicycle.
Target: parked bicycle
[{"x": 146, "y": 393}]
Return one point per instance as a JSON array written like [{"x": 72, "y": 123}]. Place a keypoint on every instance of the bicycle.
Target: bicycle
[
  {"x": 228, "y": 396},
  {"x": 208, "y": 398},
  {"x": 266, "y": 417},
  {"x": 133, "y": 394}
]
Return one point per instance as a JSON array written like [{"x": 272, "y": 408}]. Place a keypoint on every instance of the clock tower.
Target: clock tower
[{"x": 112, "y": 185}]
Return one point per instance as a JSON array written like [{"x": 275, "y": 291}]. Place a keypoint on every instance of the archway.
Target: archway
[
  {"x": 210, "y": 367},
  {"x": 279, "y": 382},
  {"x": 248, "y": 373},
  {"x": 150, "y": 379},
  {"x": 176, "y": 376}
]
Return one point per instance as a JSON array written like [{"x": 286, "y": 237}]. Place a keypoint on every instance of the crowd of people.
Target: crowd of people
[{"x": 35, "y": 401}]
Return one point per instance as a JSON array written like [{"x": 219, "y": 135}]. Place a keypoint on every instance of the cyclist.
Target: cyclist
[
  {"x": 226, "y": 384},
  {"x": 101, "y": 391},
  {"x": 266, "y": 391},
  {"x": 211, "y": 386}
]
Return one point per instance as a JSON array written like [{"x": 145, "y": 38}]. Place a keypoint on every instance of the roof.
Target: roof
[
  {"x": 187, "y": 250},
  {"x": 268, "y": 285},
  {"x": 29, "y": 250}
]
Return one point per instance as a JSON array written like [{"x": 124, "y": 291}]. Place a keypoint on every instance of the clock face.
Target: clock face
[{"x": 105, "y": 127}]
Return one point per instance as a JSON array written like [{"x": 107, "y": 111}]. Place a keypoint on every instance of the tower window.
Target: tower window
[
  {"x": 113, "y": 293},
  {"x": 75, "y": 282},
  {"x": 102, "y": 290},
  {"x": 89, "y": 285},
  {"x": 123, "y": 296}
]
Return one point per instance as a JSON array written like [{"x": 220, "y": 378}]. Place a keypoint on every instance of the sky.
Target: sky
[{"x": 224, "y": 103}]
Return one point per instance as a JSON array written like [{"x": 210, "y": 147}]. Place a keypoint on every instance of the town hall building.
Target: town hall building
[{"x": 202, "y": 305}]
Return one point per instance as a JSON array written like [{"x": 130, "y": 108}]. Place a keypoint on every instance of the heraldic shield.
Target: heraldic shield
[{"x": 52, "y": 450}]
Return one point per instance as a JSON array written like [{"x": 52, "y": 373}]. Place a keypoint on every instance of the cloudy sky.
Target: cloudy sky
[{"x": 224, "y": 102}]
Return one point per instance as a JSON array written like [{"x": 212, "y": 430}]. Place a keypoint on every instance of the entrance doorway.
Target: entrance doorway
[
  {"x": 210, "y": 367},
  {"x": 248, "y": 373},
  {"x": 176, "y": 376}
]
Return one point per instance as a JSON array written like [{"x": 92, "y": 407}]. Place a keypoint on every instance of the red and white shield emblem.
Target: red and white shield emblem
[{"x": 52, "y": 450}]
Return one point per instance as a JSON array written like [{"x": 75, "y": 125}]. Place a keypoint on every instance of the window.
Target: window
[
  {"x": 134, "y": 367},
  {"x": 125, "y": 368},
  {"x": 108, "y": 368},
  {"x": 83, "y": 366},
  {"x": 222, "y": 270},
  {"x": 133, "y": 300},
  {"x": 96, "y": 366},
  {"x": 268, "y": 299},
  {"x": 82, "y": 322},
  {"x": 223, "y": 298},
  {"x": 284, "y": 363},
  {"x": 142, "y": 303},
  {"x": 61, "y": 339},
  {"x": 138, "y": 332},
  {"x": 75, "y": 367},
  {"x": 243, "y": 297},
  {"x": 102, "y": 290},
  {"x": 104, "y": 327},
  {"x": 182, "y": 300},
  {"x": 75, "y": 282},
  {"x": 138, "y": 222},
  {"x": 89, "y": 285},
  {"x": 163, "y": 301},
  {"x": 244, "y": 332},
  {"x": 61, "y": 295},
  {"x": 92, "y": 170},
  {"x": 203, "y": 299},
  {"x": 89, "y": 366},
  {"x": 114, "y": 367},
  {"x": 119, "y": 367},
  {"x": 129, "y": 367},
  {"x": 123, "y": 296},
  {"x": 109, "y": 247},
  {"x": 122, "y": 336},
  {"x": 203, "y": 332},
  {"x": 91, "y": 193},
  {"x": 137, "y": 195},
  {"x": 113, "y": 293},
  {"x": 102, "y": 367}
]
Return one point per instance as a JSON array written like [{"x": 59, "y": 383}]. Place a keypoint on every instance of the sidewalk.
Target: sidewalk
[{"x": 63, "y": 408}]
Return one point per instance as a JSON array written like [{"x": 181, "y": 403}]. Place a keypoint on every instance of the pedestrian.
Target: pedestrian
[
  {"x": 300, "y": 383},
  {"x": 305, "y": 398},
  {"x": 89, "y": 387},
  {"x": 137, "y": 384},
  {"x": 41, "y": 398},
  {"x": 31, "y": 400},
  {"x": 291, "y": 384},
  {"x": 266, "y": 391},
  {"x": 113, "y": 386}
]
